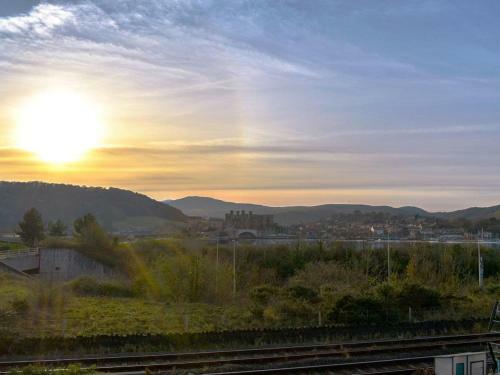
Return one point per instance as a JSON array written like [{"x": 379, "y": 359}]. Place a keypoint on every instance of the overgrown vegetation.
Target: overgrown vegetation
[
  {"x": 166, "y": 287},
  {"x": 5, "y": 246}
]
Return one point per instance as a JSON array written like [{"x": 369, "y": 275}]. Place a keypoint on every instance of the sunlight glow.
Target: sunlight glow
[{"x": 58, "y": 126}]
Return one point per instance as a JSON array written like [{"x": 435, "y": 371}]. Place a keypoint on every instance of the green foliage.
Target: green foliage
[
  {"x": 60, "y": 243},
  {"x": 10, "y": 246},
  {"x": 31, "y": 227},
  {"x": 303, "y": 293},
  {"x": 417, "y": 296},
  {"x": 110, "y": 205},
  {"x": 92, "y": 240},
  {"x": 57, "y": 228},
  {"x": 262, "y": 295},
  {"x": 86, "y": 286},
  {"x": 20, "y": 305},
  {"x": 90, "y": 234},
  {"x": 174, "y": 286},
  {"x": 357, "y": 310}
]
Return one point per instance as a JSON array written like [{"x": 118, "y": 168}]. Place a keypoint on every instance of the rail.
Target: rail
[
  {"x": 385, "y": 366},
  {"x": 257, "y": 357},
  {"x": 6, "y": 254}
]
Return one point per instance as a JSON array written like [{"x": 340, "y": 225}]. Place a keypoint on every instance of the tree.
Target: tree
[
  {"x": 81, "y": 224},
  {"x": 90, "y": 234},
  {"x": 31, "y": 227},
  {"x": 57, "y": 228}
]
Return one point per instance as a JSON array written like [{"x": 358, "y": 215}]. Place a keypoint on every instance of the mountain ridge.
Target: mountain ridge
[
  {"x": 285, "y": 215},
  {"x": 66, "y": 202}
]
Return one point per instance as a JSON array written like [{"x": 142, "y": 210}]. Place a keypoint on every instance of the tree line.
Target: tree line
[{"x": 86, "y": 231}]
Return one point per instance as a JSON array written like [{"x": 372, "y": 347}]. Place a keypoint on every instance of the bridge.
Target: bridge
[{"x": 246, "y": 233}]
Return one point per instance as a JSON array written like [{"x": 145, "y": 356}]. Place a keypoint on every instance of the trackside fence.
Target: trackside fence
[{"x": 11, "y": 344}]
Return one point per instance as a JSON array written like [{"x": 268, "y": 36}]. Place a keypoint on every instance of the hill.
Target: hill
[
  {"x": 204, "y": 206},
  {"x": 473, "y": 213},
  {"x": 113, "y": 207}
]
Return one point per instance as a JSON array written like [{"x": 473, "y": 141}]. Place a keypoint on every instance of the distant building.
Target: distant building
[
  {"x": 377, "y": 230},
  {"x": 240, "y": 220}
]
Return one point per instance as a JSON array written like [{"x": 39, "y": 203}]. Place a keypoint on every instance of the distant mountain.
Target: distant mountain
[
  {"x": 204, "y": 206},
  {"x": 114, "y": 208},
  {"x": 473, "y": 213}
]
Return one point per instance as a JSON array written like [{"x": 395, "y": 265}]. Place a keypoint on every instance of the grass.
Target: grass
[
  {"x": 62, "y": 310},
  {"x": 58, "y": 310},
  {"x": 5, "y": 246},
  {"x": 13, "y": 289},
  {"x": 122, "y": 316}
]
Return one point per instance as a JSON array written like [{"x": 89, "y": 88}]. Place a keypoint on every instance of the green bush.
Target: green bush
[
  {"x": 263, "y": 294},
  {"x": 303, "y": 293},
  {"x": 357, "y": 310},
  {"x": 20, "y": 305},
  {"x": 418, "y": 296},
  {"x": 86, "y": 286}
]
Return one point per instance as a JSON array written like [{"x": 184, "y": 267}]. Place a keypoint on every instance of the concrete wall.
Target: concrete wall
[
  {"x": 8, "y": 269},
  {"x": 67, "y": 264},
  {"x": 24, "y": 263}
]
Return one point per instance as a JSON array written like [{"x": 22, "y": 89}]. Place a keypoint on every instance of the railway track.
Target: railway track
[
  {"x": 375, "y": 367},
  {"x": 259, "y": 357}
]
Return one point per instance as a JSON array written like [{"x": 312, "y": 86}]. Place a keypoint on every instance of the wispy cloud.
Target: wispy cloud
[{"x": 266, "y": 95}]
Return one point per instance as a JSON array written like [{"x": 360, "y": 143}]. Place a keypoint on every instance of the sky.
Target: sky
[{"x": 275, "y": 102}]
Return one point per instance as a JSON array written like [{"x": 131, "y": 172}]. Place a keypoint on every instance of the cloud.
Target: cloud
[
  {"x": 40, "y": 21},
  {"x": 264, "y": 94}
]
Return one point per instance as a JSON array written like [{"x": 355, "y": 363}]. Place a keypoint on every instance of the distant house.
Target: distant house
[{"x": 377, "y": 230}]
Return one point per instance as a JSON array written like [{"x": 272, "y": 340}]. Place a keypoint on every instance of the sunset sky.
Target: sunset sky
[{"x": 274, "y": 102}]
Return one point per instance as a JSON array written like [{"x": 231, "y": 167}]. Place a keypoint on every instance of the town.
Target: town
[{"x": 355, "y": 226}]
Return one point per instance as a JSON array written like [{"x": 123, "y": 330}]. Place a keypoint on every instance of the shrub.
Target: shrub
[
  {"x": 355, "y": 310},
  {"x": 302, "y": 293},
  {"x": 418, "y": 296},
  {"x": 20, "y": 305},
  {"x": 263, "y": 294},
  {"x": 86, "y": 286}
]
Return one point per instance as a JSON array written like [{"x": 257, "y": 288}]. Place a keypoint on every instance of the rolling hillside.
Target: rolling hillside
[
  {"x": 112, "y": 207},
  {"x": 205, "y": 206}
]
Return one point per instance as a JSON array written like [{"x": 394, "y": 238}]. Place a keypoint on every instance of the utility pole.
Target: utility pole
[
  {"x": 479, "y": 262},
  {"x": 217, "y": 266},
  {"x": 388, "y": 258},
  {"x": 234, "y": 267}
]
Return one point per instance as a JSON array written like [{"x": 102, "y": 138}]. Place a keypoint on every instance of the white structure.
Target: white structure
[{"x": 461, "y": 364}]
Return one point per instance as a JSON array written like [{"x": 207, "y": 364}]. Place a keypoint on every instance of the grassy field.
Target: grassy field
[
  {"x": 96, "y": 315},
  {"x": 166, "y": 288},
  {"x": 39, "y": 310}
]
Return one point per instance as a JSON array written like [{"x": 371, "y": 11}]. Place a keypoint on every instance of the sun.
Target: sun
[{"x": 58, "y": 126}]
